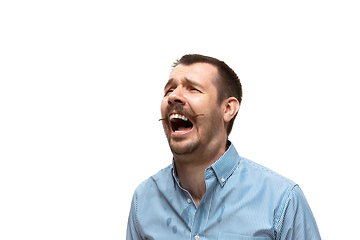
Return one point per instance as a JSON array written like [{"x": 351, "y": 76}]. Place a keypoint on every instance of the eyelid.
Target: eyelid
[
  {"x": 192, "y": 88},
  {"x": 170, "y": 89}
]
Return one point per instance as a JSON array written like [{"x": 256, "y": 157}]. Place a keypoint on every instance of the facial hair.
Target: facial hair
[{"x": 207, "y": 127}]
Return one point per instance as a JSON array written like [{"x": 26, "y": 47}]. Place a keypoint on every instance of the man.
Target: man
[{"x": 209, "y": 191}]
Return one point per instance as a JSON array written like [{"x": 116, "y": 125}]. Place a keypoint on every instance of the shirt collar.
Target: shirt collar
[
  {"x": 226, "y": 164},
  {"x": 223, "y": 167}
]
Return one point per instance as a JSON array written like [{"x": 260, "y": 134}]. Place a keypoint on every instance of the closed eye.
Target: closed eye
[
  {"x": 192, "y": 89},
  {"x": 169, "y": 91}
]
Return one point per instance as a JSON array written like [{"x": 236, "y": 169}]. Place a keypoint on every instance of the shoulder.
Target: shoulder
[
  {"x": 151, "y": 192},
  {"x": 257, "y": 180},
  {"x": 264, "y": 174},
  {"x": 154, "y": 182}
]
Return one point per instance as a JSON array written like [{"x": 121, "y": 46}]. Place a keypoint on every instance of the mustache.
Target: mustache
[
  {"x": 182, "y": 110},
  {"x": 194, "y": 116}
]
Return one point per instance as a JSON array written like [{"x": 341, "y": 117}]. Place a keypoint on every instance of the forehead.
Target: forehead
[{"x": 203, "y": 73}]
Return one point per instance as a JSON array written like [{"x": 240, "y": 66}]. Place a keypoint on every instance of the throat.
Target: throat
[
  {"x": 193, "y": 181},
  {"x": 196, "y": 193}
]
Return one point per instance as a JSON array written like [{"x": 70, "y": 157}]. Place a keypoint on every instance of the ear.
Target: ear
[{"x": 231, "y": 107}]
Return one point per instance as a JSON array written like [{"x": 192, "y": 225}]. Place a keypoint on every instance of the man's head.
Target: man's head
[
  {"x": 201, "y": 101},
  {"x": 227, "y": 82}
]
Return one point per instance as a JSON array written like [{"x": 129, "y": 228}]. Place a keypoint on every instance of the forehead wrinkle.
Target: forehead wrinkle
[
  {"x": 184, "y": 76},
  {"x": 191, "y": 82},
  {"x": 185, "y": 79}
]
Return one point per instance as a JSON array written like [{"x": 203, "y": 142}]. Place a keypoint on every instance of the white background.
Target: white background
[{"x": 80, "y": 90}]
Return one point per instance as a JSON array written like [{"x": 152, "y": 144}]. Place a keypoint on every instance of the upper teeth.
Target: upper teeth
[{"x": 179, "y": 116}]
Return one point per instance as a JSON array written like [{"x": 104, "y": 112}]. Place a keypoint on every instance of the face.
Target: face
[{"x": 190, "y": 111}]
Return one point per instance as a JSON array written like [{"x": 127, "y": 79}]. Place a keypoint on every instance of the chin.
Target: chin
[{"x": 184, "y": 147}]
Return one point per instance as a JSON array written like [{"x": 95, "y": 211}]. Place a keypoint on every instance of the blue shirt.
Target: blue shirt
[{"x": 243, "y": 201}]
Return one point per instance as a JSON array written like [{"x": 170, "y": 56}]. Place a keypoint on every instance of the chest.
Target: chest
[{"x": 221, "y": 212}]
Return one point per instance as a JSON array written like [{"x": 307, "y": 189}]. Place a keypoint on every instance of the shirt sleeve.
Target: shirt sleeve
[
  {"x": 296, "y": 220},
  {"x": 132, "y": 227}
]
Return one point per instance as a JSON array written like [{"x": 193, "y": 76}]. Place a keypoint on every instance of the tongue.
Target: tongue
[{"x": 183, "y": 129}]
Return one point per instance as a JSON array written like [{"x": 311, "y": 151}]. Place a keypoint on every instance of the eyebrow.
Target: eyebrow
[{"x": 171, "y": 80}]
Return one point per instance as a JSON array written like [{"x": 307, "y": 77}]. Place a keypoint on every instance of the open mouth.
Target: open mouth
[{"x": 179, "y": 123}]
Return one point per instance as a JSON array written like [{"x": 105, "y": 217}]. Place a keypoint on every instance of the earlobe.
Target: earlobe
[{"x": 232, "y": 106}]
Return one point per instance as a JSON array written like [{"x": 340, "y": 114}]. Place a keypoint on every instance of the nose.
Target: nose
[{"x": 176, "y": 96}]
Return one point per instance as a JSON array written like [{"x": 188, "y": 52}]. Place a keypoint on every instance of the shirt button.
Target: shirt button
[
  {"x": 196, "y": 237},
  {"x": 189, "y": 200},
  {"x": 222, "y": 179}
]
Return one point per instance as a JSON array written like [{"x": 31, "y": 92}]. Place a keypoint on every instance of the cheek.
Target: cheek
[
  {"x": 213, "y": 114},
  {"x": 163, "y": 106},
  {"x": 202, "y": 105}
]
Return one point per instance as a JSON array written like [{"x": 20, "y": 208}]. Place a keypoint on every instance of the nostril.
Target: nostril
[{"x": 170, "y": 101}]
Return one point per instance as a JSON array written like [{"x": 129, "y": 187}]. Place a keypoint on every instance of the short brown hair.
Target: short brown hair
[{"x": 229, "y": 83}]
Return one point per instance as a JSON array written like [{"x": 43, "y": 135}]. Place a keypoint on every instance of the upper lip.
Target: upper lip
[{"x": 180, "y": 113}]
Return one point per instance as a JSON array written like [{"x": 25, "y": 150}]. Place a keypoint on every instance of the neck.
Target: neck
[{"x": 190, "y": 170}]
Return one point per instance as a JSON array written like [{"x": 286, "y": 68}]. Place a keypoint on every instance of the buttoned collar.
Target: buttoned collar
[
  {"x": 223, "y": 167},
  {"x": 226, "y": 164}
]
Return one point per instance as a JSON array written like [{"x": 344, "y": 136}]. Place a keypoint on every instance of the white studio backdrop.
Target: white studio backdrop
[{"x": 80, "y": 90}]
